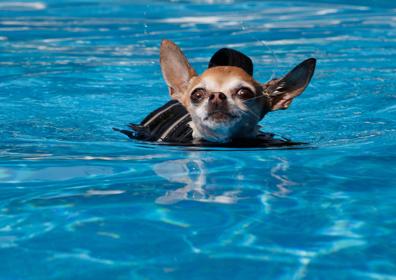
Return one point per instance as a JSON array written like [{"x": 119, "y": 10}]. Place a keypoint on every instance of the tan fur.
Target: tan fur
[
  {"x": 178, "y": 76},
  {"x": 219, "y": 76}
]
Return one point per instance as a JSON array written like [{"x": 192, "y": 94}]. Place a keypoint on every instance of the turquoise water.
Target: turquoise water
[{"x": 80, "y": 200}]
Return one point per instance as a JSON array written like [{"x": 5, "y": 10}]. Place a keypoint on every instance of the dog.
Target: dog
[
  {"x": 222, "y": 105},
  {"x": 225, "y": 102}
]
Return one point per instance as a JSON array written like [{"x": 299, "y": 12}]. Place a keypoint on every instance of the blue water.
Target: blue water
[{"x": 78, "y": 200}]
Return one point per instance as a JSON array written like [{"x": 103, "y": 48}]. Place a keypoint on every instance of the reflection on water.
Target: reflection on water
[
  {"x": 272, "y": 204},
  {"x": 193, "y": 174}
]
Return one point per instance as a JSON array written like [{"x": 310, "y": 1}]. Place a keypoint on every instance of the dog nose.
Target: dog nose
[{"x": 217, "y": 97}]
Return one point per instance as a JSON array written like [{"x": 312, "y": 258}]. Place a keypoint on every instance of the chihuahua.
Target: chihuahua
[{"x": 225, "y": 102}]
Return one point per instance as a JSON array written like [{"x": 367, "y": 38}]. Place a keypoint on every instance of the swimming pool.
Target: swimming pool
[{"x": 80, "y": 200}]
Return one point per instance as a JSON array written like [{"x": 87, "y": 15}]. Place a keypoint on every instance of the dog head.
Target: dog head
[{"x": 225, "y": 102}]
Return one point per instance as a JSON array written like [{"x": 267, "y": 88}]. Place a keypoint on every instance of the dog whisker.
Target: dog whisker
[
  {"x": 253, "y": 98},
  {"x": 251, "y": 112}
]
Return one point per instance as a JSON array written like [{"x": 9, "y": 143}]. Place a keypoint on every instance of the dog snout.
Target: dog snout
[{"x": 217, "y": 98}]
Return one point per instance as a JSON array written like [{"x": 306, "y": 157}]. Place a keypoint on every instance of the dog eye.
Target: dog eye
[
  {"x": 245, "y": 93},
  {"x": 197, "y": 95}
]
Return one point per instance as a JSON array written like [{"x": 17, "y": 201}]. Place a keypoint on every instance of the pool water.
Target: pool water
[{"x": 78, "y": 200}]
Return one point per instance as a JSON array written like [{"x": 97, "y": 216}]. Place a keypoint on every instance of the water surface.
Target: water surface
[{"x": 80, "y": 200}]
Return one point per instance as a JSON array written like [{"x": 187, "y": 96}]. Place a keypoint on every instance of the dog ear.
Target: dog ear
[
  {"x": 283, "y": 90},
  {"x": 176, "y": 70}
]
